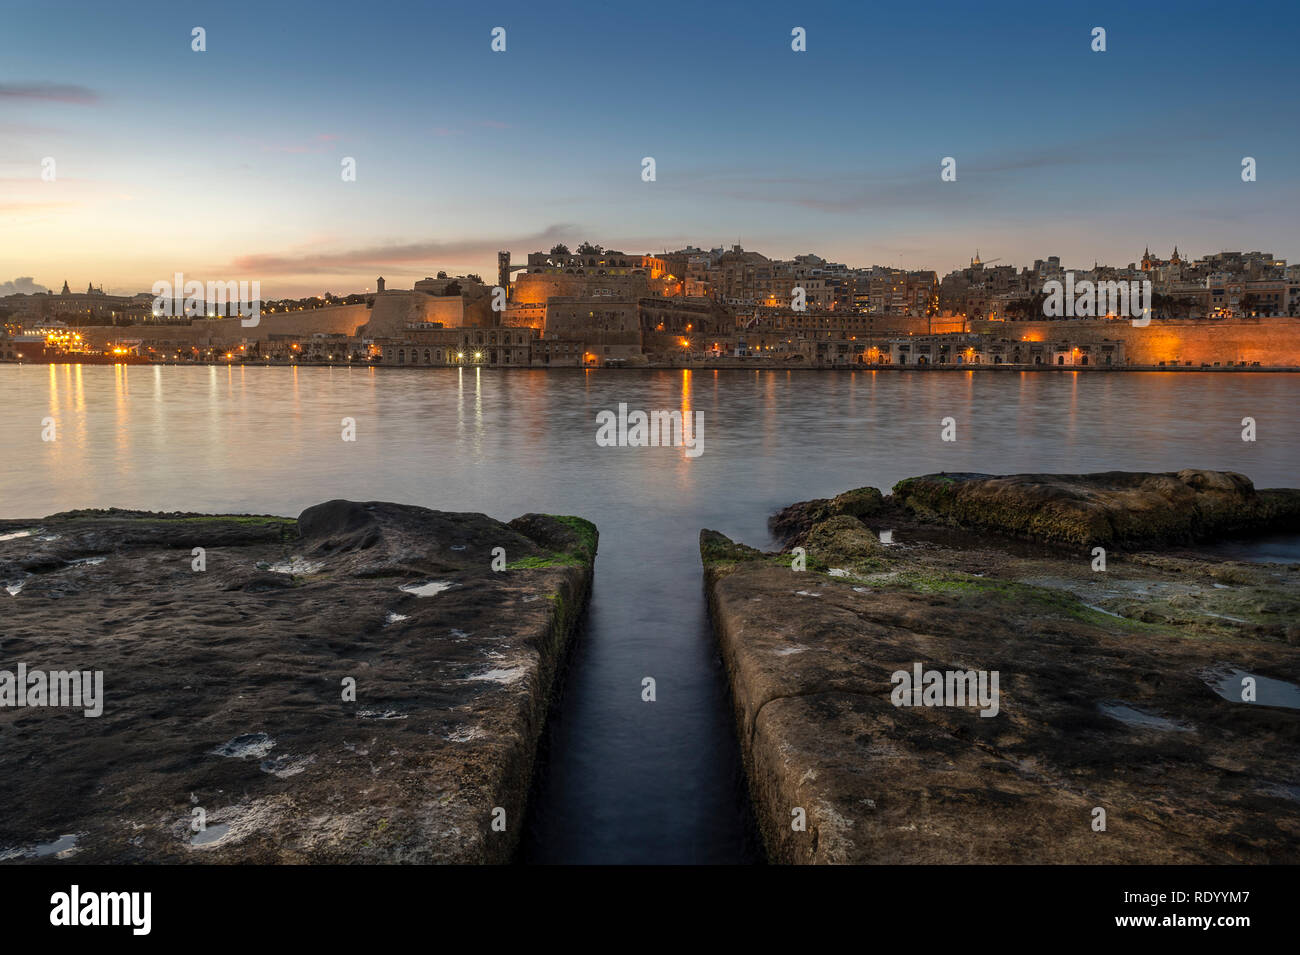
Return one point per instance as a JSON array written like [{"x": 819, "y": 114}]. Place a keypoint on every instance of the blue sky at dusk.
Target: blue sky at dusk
[{"x": 226, "y": 164}]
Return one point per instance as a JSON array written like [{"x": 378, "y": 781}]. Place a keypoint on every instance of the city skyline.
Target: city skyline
[
  {"x": 27, "y": 285},
  {"x": 225, "y": 163}
]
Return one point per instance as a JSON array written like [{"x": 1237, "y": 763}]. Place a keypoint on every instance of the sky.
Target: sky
[{"x": 227, "y": 164}]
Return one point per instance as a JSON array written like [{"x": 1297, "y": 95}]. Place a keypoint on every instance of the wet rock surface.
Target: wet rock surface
[
  {"x": 1114, "y": 507},
  {"x": 1119, "y": 689},
  {"x": 223, "y": 689},
  {"x": 861, "y": 503}
]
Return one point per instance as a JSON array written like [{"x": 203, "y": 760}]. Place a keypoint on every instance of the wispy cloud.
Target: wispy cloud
[
  {"x": 425, "y": 254},
  {"x": 981, "y": 180},
  {"x": 48, "y": 92},
  {"x": 27, "y": 129}
]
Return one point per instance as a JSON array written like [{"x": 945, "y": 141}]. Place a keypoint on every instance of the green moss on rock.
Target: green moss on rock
[
  {"x": 718, "y": 549},
  {"x": 565, "y": 540},
  {"x": 794, "y": 522},
  {"x": 844, "y": 537},
  {"x": 585, "y": 531}
]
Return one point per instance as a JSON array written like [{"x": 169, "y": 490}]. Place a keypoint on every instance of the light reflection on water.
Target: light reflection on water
[{"x": 627, "y": 781}]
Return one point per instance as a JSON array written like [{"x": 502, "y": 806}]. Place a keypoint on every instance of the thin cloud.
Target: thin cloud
[
  {"x": 27, "y": 129},
  {"x": 49, "y": 92},
  {"x": 911, "y": 188},
  {"x": 366, "y": 259}
]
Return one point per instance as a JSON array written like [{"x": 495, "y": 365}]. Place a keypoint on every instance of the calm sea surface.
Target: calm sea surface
[{"x": 621, "y": 780}]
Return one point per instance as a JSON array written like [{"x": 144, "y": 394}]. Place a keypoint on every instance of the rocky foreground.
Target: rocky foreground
[
  {"x": 1147, "y": 707},
  {"x": 356, "y": 685}
]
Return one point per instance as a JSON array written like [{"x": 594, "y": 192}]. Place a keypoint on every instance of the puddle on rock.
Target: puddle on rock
[
  {"x": 1141, "y": 719},
  {"x": 63, "y": 847},
  {"x": 1225, "y": 680},
  {"x": 211, "y": 835},
  {"x": 427, "y": 589}
]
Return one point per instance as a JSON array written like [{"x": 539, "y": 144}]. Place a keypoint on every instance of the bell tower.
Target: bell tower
[{"x": 503, "y": 270}]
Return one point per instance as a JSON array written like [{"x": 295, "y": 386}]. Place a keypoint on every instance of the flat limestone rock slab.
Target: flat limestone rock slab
[
  {"x": 223, "y": 689},
  {"x": 1107, "y": 698}
]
